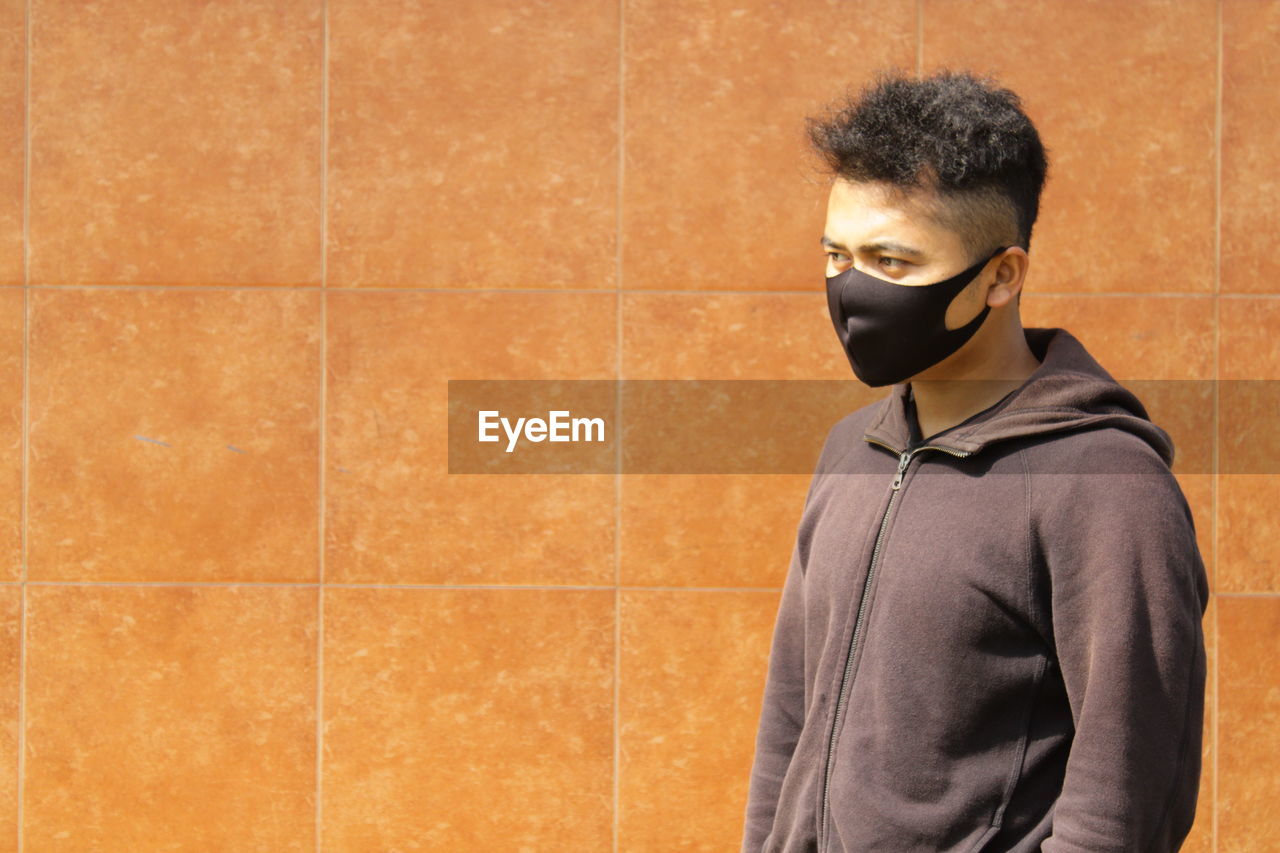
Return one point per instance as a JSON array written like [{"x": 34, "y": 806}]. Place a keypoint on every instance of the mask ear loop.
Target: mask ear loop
[
  {"x": 988, "y": 260},
  {"x": 993, "y": 254},
  {"x": 1001, "y": 250}
]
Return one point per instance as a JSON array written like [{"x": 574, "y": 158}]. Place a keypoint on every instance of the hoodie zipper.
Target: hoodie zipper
[{"x": 904, "y": 459}]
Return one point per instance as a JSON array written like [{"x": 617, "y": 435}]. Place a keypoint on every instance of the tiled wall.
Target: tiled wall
[{"x": 244, "y": 243}]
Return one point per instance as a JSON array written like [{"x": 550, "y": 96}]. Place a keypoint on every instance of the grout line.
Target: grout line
[
  {"x": 617, "y": 471},
  {"x": 26, "y": 414},
  {"x": 1213, "y": 732},
  {"x": 1214, "y": 482},
  {"x": 459, "y": 586},
  {"x": 324, "y": 372},
  {"x": 240, "y": 584},
  {"x": 800, "y": 292}
]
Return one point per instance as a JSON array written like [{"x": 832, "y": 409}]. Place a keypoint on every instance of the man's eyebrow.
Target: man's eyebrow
[{"x": 880, "y": 246}]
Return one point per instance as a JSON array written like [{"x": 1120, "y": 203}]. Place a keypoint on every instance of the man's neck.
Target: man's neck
[{"x": 941, "y": 404}]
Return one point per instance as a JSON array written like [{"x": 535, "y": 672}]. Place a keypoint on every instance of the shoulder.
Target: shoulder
[
  {"x": 1104, "y": 449},
  {"x": 846, "y": 434},
  {"x": 1104, "y": 478}
]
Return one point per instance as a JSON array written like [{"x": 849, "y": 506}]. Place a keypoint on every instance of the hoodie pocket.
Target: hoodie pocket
[{"x": 1015, "y": 770}]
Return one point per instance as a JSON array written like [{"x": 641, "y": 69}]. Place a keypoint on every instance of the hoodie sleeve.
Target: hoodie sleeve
[
  {"x": 783, "y": 710},
  {"x": 1127, "y": 592}
]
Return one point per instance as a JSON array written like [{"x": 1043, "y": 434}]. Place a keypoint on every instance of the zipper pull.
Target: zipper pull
[{"x": 902, "y": 466}]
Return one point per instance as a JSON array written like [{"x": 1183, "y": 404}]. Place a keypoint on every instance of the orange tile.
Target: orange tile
[
  {"x": 719, "y": 190},
  {"x": 174, "y": 434},
  {"x": 394, "y": 512},
  {"x": 1248, "y": 545},
  {"x": 1161, "y": 348},
  {"x": 176, "y": 142},
  {"x": 672, "y": 524},
  {"x": 177, "y": 718},
  {"x": 1249, "y": 364},
  {"x": 1133, "y": 337},
  {"x": 692, "y": 679},
  {"x": 1249, "y": 723},
  {"x": 730, "y": 336},
  {"x": 709, "y": 529},
  {"x": 10, "y": 700},
  {"x": 11, "y": 345},
  {"x": 1248, "y": 349},
  {"x": 473, "y": 144},
  {"x": 468, "y": 720},
  {"x": 13, "y": 75},
  {"x": 1123, "y": 95},
  {"x": 1250, "y": 162}
]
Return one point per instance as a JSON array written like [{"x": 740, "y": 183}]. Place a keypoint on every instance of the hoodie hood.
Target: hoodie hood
[{"x": 1070, "y": 390}]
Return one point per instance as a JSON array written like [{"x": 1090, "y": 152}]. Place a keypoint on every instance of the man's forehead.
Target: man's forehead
[{"x": 884, "y": 217}]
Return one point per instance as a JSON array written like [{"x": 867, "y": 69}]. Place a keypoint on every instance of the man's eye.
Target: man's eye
[
  {"x": 835, "y": 257},
  {"x": 891, "y": 262}
]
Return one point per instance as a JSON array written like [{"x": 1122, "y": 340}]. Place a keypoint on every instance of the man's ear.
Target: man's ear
[{"x": 1017, "y": 302}]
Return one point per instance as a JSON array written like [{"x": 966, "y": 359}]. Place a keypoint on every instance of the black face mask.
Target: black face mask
[{"x": 891, "y": 332}]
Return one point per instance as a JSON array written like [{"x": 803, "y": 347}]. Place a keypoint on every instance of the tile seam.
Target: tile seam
[
  {"x": 601, "y": 290},
  {"x": 617, "y": 478},
  {"x": 232, "y": 584},
  {"x": 23, "y": 544},
  {"x": 1217, "y": 375},
  {"x": 323, "y": 434},
  {"x": 461, "y": 587}
]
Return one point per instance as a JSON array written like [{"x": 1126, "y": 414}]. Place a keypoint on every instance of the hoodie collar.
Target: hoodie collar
[{"x": 1069, "y": 390}]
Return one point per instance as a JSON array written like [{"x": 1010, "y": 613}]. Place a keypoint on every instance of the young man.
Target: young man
[{"x": 989, "y": 636}]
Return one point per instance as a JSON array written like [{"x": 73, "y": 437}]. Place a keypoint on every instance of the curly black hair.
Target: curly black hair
[{"x": 956, "y": 132}]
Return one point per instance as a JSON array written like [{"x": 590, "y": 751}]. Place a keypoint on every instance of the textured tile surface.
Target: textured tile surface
[
  {"x": 11, "y": 333},
  {"x": 13, "y": 57},
  {"x": 468, "y": 719},
  {"x": 170, "y": 718},
  {"x": 1249, "y": 349},
  {"x": 1250, "y": 159},
  {"x": 394, "y": 513},
  {"x": 719, "y": 189},
  {"x": 1249, "y": 364},
  {"x": 1249, "y": 554},
  {"x": 1123, "y": 96},
  {"x": 681, "y": 530},
  {"x": 174, "y": 434},
  {"x": 176, "y": 142},
  {"x": 731, "y": 336},
  {"x": 1249, "y": 728},
  {"x": 709, "y": 529},
  {"x": 692, "y": 677},
  {"x": 1133, "y": 337},
  {"x": 473, "y": 144},
  {"x": 1159, "y": 347},
  {"x": 10, "y": 702}
]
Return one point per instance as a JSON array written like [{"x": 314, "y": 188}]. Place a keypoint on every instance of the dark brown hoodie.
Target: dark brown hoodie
[{"x": 989, "y": 640}]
